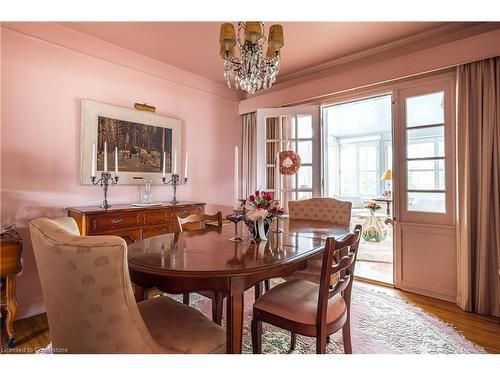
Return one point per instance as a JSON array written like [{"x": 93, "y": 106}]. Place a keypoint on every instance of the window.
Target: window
[
  {"x": 425, "y": 153},
  {"x": 359, "y": 170}
]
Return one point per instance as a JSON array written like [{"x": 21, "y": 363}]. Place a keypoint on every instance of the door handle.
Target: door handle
[{"x": 116, "y": 221}]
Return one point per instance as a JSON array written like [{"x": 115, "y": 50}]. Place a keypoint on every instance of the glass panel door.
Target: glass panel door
[
  {"x": 427, "y": 154},
  {"x": 295, "y": 129}
]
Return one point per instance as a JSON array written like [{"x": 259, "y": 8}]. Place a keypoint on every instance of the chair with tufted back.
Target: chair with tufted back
[
  {"x": 323, "y": 209},
  {"x": 90, "y": 304}
]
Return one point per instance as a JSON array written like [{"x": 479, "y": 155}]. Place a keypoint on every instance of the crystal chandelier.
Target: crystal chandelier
[{"x": 251, "y": 71}]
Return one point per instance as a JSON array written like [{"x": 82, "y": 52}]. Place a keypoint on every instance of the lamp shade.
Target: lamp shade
[
  {"x": 227, "y": 37},
  {"x": 276, "y": 40},
  {"x": 271, "y": 52},
  {"x": 387, "y": 175},
  {"x": 252, "y": 32}
]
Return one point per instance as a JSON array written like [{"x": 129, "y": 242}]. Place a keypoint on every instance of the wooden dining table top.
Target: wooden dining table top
[{"x": 210, "y": 252}]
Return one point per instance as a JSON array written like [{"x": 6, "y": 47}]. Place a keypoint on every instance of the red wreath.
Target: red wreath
[{"x": 289, "y": 162}]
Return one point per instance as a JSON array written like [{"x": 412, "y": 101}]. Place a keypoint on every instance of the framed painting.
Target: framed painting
[{"x": 144, "y": 141}]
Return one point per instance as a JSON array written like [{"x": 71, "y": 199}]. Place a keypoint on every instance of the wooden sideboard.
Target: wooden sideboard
[
  {"x": 132, "y": 223},
  {"x": 11, "y": 246}
]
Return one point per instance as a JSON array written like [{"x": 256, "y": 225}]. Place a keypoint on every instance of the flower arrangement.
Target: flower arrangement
[
  {"x": 261, "y": 207},
  {"x": 373, "y": 207}
]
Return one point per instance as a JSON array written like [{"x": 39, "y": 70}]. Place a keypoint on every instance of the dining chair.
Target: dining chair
[
  {"x": 306, "y": 308},
  {"x": 198, "y": 222},
  {"x": 91, "y": 306},
  {"x": 329, "y": 210}
]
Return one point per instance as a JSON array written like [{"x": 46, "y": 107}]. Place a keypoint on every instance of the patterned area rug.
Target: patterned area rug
[{"x": 380, "y": 324}]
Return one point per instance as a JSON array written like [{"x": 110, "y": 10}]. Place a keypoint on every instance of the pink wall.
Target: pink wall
[{"x": 42, "y": 84}]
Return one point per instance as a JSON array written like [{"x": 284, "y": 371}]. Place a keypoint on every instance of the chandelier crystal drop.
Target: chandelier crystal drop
[{"x": 251, "y": 71}]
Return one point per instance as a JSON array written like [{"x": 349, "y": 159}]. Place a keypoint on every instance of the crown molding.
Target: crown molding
[{"x": 427, "y": 39}]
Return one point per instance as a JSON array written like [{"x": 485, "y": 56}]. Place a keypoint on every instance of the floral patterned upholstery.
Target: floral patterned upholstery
[
  {"x": 90, "y": 304},
  {"x": 323, "y": 209}
]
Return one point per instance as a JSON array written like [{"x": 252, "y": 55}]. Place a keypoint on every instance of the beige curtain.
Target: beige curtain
[
  {"x": 479, "y": 186},
  {"x": 249, "y": 150}
]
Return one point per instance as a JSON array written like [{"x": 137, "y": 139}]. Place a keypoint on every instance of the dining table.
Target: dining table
[{"x": 206, "y": 260}]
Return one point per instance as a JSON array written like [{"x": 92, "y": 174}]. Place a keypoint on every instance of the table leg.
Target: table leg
[
  {"x": 12, "y": 307},
  {"x": 234, "y": 329},
  {"x": 140, "y": 293}
]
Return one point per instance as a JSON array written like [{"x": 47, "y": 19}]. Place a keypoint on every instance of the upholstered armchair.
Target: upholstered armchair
[
  {"x": 90, "y": 304},
  {"x": 323, "y": 209}
]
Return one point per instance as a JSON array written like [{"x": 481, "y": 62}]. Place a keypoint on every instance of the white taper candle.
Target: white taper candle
[
  {"x": 174, "y": 163},
  {"x": 277, "y": 178},
  {"x": 236, "y": 190},
  {"x": 164, "y": 162},
  {"x": 105, "y": 157},
  {"x": 116, "y": 161},
  {"x": 92, "y": 173},
  {"x": 186, "y": 166}
]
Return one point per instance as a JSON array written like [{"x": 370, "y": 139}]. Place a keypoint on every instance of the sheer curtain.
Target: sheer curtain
[
  {"x": 248, "y": 159},
  {"x": 479, "y": 186}
]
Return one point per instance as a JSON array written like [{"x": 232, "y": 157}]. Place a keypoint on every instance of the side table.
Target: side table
[{"x": 11, "y": 246}]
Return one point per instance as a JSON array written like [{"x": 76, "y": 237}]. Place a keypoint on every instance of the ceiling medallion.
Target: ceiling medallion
[{"x": 251, "y": 71}]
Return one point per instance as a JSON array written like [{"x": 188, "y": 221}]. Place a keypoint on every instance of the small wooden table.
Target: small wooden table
[
  {"x": 207, "y": 260},
  {"x": 11, "y": 246}
]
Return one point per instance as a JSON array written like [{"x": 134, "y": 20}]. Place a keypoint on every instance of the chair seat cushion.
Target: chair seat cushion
[
  {"x": 297, "y": 300},
  {"x": 180, "y": 328}
]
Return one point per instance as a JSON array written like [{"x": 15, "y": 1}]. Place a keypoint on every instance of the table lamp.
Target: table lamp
[{"x": 387, "y": 176}]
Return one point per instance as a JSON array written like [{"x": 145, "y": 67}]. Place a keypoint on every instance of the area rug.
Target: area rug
[{"x": 380, "y": 324}]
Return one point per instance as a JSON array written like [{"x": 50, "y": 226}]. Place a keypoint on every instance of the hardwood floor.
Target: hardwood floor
[{"x": 33, "y": 333}]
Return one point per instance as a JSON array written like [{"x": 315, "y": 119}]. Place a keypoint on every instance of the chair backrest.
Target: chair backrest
[
  {"x": 87, "y": 291},
  {"x": 324, "y": 209},
  {"x": 339, "y": 257},
  {"x": 198, "y": 221}
]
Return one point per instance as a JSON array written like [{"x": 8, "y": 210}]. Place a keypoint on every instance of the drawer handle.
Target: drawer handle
[{"x": 116, "y": 221}]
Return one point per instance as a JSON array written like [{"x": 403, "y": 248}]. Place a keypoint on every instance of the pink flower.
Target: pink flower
[
  {"x": 252, "y": 198},
  {"x": 257, "y": 193},
  {"x": 269, "y": 196}
]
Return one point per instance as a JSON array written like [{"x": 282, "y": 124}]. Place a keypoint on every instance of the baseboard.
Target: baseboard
[
  {"x": 441, "y": 294},
  {"x": 30, "y": 309},
  {"x": 371, "y": 281}
]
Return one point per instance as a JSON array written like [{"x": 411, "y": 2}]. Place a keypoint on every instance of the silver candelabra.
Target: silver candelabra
[
  {"x": 105, "y": 181},
  {"x": 174, "y": 181}
]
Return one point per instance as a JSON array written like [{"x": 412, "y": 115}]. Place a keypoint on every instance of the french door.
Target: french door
[
  {"x": 295, "y": 129},
  {"x": 424, "y": 179}
]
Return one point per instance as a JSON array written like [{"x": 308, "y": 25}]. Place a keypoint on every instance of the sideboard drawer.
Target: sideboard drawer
[
  {"x": 101, "y": 223},
  {"x": 157, "y": 217}
]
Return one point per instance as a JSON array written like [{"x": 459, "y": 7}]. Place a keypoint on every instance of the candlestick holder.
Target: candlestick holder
[
  {"x": 105, "y": 181},
  {"x": 174, "y": 181}
]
